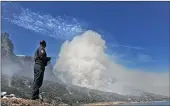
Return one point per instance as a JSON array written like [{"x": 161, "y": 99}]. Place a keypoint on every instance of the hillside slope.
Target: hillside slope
[{"x": 17, "y": 72}]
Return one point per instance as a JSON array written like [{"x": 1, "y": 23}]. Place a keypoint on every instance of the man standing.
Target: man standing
[{"x": 41, "y": 61}]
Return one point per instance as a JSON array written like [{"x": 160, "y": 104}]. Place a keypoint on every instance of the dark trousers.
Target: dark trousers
[{"x": 38, "y": 80}]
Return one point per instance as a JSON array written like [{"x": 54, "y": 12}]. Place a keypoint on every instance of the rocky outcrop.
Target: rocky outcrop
[
  {"x": 19, "y": 64},
  {"x": 6, "y": 45},
  {"x": 4, "y": 95}
]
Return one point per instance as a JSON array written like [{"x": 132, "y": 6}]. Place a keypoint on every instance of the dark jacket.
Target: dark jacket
[{"x": 41, "y": 57}]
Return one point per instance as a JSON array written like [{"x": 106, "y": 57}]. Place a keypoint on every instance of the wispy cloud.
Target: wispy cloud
[
  {"x": 120, "y": 58},
  {"x": 132, "y": 57},
  {"x": 128, "y": 56},
  {"x": 57, "y": 27},
  {"x": 141, "y": 57},
  {"x": 129, "y": 47},
  {"x": 62, "y": 28}
]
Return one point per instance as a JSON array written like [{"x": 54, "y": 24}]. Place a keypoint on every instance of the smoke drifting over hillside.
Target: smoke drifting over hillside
[
  {"x": 10, "y": 68},
  {"x": 83, "y": 62}
]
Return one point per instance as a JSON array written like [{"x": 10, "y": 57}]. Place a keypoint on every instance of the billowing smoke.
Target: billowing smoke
[
  {"x": 83, "y": 62},
  {"x": 21, "y": 67}
]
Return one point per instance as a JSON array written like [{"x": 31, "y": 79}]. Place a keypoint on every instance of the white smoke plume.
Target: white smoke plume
[
  {"x": 83, "y": 62},
  {"x": 10, "y": 68}
]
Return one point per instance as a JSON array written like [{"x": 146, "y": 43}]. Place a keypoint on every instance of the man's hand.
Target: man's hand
[
  {"x": 48, "y": 63},
  {"x": 48, "y": 59}
]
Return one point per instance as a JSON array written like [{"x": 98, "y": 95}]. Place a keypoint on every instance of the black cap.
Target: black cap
[{"x": 42, "y": 42}]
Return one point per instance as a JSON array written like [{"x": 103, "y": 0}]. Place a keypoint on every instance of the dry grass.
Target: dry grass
[{"x": 23, "y": 102}]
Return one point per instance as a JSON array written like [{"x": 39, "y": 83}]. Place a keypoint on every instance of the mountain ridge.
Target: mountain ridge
[{"x": 17, "y": 76}]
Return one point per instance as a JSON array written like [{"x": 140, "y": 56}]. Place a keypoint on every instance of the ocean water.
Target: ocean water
[{"x": 149, "y": 104}]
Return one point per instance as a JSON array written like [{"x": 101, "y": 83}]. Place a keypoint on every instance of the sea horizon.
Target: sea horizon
[{"x": 164, "y": 103}]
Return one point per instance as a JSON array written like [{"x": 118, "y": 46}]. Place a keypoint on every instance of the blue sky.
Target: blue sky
[{"x": 137, "y": 33}]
